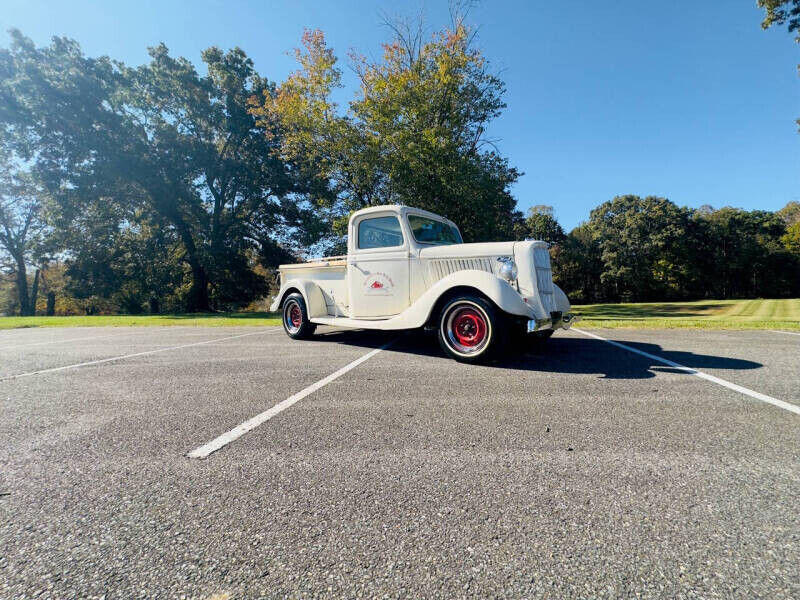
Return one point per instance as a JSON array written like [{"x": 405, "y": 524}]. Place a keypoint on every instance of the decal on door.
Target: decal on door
[{"x": 378, "y": 284}]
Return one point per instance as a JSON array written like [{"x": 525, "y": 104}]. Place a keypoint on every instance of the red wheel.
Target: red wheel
[
  {"x": 295, "y": 317},
  {"x": 468, "y": 329}
]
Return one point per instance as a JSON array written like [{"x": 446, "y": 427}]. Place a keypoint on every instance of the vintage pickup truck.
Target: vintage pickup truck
[{"x": 408, "y": 268}]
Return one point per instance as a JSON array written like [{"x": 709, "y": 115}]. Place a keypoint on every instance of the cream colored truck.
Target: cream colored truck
[{"x": 407, "y": 268}]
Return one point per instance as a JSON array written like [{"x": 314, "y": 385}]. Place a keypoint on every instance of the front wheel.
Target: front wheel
[
  {"x": 469, "y": 329},
  {"x": 295, "y": 318}
]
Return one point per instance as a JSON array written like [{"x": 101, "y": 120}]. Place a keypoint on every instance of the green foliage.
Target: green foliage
[
  {"x": 745, "y": 257},
  {"x": 233, "y": 189},
  {"x": 22, "y": 228},
  {"x": 159, "y": 188},
  {"x": 541, "y": 225},
  {"x": 9, "y": 300},
  {"x": 161, "y": 142},
  {"x": 56, "y": 283},
  {"x": 578, "y": 266},
  {"x": 135, "y": 266},
  {"x": 642, "y": 243},
  {"x": 779, "y": 12},
  {"x": 790, "y": 213},
  {"x": 413, "y": 135},
  {"x": 791, "y": 239},
  {"x": 635, "y": 249}
]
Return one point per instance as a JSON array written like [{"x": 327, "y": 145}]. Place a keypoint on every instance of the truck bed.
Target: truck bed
[
  {"x": 317, "y": 263},
  {"x": 330, "y": 274}
]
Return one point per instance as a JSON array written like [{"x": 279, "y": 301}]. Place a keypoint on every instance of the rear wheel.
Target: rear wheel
[
  {"x": 469, "y": 329},
  {"x": 295, "y": 318}
]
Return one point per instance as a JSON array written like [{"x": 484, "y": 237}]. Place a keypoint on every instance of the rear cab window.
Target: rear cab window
[{"x": 379, "y": 232}]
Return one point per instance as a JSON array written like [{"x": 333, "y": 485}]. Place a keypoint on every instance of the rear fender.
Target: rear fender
[{"x": 312, "y": 294}]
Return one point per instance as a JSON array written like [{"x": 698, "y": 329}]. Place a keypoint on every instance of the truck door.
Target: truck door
[{"x": 377, "y": 266}]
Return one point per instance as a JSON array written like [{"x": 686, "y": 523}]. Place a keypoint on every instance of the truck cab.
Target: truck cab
[{"x": 407, "y": 268}]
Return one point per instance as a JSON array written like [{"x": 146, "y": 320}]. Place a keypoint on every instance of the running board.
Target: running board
[{"x": 350, "y": 323}]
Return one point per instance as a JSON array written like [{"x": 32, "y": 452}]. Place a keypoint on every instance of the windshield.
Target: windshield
[{"x": 431, "y": 231}]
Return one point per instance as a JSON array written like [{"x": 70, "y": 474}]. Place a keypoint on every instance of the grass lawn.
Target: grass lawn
[
  {"x": 206, "y": 320},
  {"x": 706, "y": 314}
]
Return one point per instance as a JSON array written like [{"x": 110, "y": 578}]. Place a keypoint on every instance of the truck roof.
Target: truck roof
[{"x": 400, "y": 209}]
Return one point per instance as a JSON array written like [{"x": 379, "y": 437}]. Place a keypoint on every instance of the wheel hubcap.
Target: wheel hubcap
[
  {"x": 467, "y": 329},
  {"x": 293, "y": 317}
]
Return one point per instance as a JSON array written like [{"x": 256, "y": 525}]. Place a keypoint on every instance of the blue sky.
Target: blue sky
[{"x": 682, "y": 99}]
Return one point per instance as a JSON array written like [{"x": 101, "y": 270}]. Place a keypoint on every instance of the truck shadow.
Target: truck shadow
[{"x": 556, "y": 355}]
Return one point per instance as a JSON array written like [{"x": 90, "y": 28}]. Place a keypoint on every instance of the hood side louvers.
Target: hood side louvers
[{"x": 442, "y": 267}]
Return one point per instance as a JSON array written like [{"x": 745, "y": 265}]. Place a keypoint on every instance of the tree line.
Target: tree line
[
  {"x": 162, "y": 187},
  {"x": 635, "y": 249}
]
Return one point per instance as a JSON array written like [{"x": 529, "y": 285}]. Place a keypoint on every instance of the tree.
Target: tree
[
  {"x": 178, "y": 147},
  {"x": 790, "y": 213},
  {"x": 578, "y": 266},
  {"x": 779, "y": 12},
  {"x": 791, "y": 239},
  {"x": 647, "y": 249},
  {"x": 54, "y": 297},
  {"x": 21, "y": 230},
  {"x": 240, "y": 198},
  {"x": 125, "y": 258},
  {"x": 642, "y": 243},
  {"x": 414, "y": 134},
  {"x": 542, "y": 225},
  {"x": 739, "y": 253}
]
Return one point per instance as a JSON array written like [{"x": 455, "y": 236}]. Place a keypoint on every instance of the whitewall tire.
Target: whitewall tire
[
  {"x": 295, "y": 317},
  {"x": 469, "y": 329}
]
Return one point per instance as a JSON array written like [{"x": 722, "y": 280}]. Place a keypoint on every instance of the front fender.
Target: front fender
[
  {"x": 315, "y": 301},
  {"x": 497, "y": 290}
]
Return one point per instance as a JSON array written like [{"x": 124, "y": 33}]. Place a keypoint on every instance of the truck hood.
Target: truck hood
[
  {"x": 535, "y": 279},
  {"x": 483, "y": 249}
]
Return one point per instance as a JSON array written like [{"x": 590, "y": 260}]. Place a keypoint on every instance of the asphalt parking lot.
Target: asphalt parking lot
[{"x": 570, "y": 469}]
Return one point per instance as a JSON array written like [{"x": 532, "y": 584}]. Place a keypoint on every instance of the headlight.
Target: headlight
[{"x": 507, "y": 269}]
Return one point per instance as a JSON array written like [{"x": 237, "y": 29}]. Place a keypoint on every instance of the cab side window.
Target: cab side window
[{"x": 379, "y": 232}]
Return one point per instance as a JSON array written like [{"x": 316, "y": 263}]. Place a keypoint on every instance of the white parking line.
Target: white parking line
[
  {"x": 732, "y": 386},
  {"x": 124, "y": 356},
  {"x": 94, "y": 337},
  {"x": 238, "y": 431},
  {"x": 786, "y": 332}
]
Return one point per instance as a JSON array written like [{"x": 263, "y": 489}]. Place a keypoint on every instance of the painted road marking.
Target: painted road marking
[
  {"x": 94, "y": 337},
  {"x": 786, "y": 332},
  {"x": 135, "y": 354},
  {"x": 238, "y": 431},
  {"x": 732, "y": 386}
]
